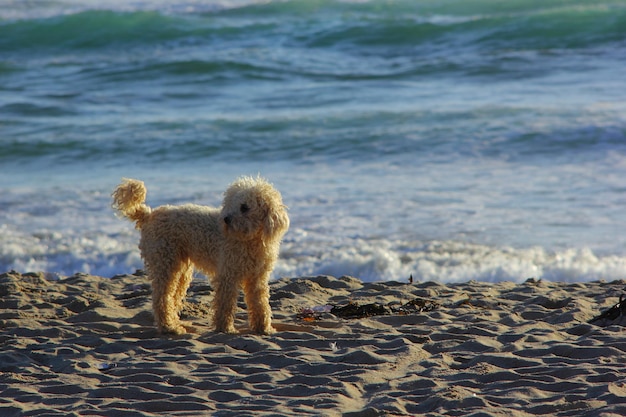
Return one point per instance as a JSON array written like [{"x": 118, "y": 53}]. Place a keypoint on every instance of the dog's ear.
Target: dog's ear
[{"x": 276, "y": 221}]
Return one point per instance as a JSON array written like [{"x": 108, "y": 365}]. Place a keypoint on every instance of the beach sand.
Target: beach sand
[{"x": 85, "y": 346}]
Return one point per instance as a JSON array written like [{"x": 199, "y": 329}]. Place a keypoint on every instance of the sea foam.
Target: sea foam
[{"x": 451, "y": 261}]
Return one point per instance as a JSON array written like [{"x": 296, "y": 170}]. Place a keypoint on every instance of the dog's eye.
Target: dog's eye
[{"x": 244, "y": 208}]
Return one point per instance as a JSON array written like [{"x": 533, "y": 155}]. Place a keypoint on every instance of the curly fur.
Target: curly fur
[{"x": 236, "y": 246}]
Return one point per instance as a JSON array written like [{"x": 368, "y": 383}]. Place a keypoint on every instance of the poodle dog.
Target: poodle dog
[{"x": 236, "y": 246}]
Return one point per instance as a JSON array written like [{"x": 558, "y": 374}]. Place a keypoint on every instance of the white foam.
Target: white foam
[
  {"x": 370, "y": 222},
  {"x": 67, "y": 253},
  {"x": 451, "y": 261},
  {"x": 104, "y": 245}
]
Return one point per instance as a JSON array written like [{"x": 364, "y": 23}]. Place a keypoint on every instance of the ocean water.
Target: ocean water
[{"x": 449, "y": 140}]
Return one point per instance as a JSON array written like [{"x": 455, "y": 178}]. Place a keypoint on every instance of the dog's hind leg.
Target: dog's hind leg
[
  {"x": 165, "y": 303},
  {"x": 183, "y": 280}
]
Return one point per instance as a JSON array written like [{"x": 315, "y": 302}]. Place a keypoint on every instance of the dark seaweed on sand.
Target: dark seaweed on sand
[
  {"x": 419, "y": 305},
  {"x": 354, "y": 310},
  {"x": 612, "y": 313}
]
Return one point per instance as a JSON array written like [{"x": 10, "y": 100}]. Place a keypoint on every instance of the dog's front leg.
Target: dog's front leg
[
  {"x": 225, "y": 304},
  {"x": 257, "y": 296}
]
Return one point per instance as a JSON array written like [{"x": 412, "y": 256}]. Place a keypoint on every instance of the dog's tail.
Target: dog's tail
[{"x": 129, "y": 199}]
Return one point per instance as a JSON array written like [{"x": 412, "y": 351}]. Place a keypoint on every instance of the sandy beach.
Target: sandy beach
[{"x": 85, "y": 346}]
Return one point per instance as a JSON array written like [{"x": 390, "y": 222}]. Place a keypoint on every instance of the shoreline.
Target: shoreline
[{"x": 85, "y": 345}]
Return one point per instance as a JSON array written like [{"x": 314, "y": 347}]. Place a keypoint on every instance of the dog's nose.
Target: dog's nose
[{"x": 227, "y": 220}]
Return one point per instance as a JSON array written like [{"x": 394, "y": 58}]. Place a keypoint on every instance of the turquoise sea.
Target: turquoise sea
[{"x": 449, "y": 140}]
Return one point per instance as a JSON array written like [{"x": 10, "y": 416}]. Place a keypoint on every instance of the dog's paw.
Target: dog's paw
[
  {"x": 174, "y": 330},
  {"x": 227, "y": 330},
  {"x": 265, "y": 331}
]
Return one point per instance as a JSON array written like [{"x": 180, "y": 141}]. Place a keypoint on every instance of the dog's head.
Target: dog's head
[{"x": 253, "y": 209}]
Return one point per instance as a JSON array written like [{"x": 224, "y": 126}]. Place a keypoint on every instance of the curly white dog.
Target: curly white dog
[{"x": 236, "y": 246}]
